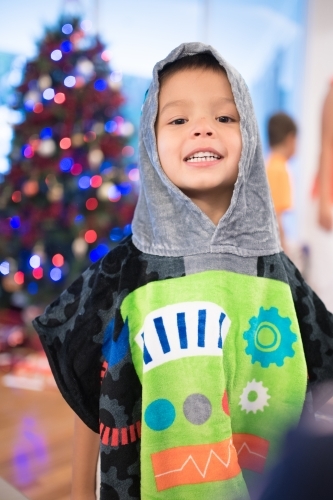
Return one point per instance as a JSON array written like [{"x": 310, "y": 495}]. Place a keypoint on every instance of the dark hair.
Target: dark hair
[
  {"x": 204, "y": 60},
  {"x": 280, "y": 126}
]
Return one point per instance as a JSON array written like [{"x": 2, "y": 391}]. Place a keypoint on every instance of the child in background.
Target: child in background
[
  {"x": 282, "y": 133},
  {"x": 186, "y": 351}
]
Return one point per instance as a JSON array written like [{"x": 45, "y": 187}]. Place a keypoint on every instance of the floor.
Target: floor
[{"x": 36, "y": 442}]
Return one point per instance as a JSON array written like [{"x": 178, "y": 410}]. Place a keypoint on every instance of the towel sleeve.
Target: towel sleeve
[
  {"x": 71, "y": 331},
  {"x": 316, "y": 326}
]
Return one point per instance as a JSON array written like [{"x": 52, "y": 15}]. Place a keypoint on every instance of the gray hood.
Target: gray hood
[{"x": 166, "y": 222}]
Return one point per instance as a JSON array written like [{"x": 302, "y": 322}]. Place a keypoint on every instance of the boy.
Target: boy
[
  {"x": 282, "y": 133},
  {"x": 203, "y": 331}
]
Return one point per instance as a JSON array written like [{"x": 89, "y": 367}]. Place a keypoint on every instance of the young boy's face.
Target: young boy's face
[{"x": 198, "y": 132}]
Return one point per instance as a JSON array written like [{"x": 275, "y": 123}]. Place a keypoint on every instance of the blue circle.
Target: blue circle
[
  {"x": 66, "y": 164},
  {"x": 46, "y": 133},
  {"x": 55, "y": 274},
  {"x": 127, "y": 230},
  {"x": 125, "y": 187},
  {"x": 84, "y": 182},
  {"x": 67, "y": 29},
  {"x": 160, "y": 414},
  {"x": 98, "y": 252},
  {"x": 110, "y": 126},
  {"x": 100, "y": 85},
  {"x": 15, "y": 222},
  {"x": 116, "y": 234},
  {"x": 66, "y": 46}
]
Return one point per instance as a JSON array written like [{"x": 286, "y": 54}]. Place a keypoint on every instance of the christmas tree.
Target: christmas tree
[{"x": 71, "y": 190}]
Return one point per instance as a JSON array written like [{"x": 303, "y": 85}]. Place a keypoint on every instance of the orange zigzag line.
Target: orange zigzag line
[
  {"x": 191, "y": 459},
  {"x": 211, "y": 454}
]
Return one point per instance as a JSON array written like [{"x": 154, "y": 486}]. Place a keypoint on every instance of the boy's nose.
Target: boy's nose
[
  {"x": 208, "y": 132},
  {"x": 203, "y": 128}
]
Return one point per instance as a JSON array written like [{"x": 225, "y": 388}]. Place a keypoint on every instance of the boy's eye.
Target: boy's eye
[
  {"x": 225, "y": 119},
  {"x": 178, "y": 121}
]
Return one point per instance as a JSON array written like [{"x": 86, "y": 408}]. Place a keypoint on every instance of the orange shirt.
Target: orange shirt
[{"x": 279, "y": 183}]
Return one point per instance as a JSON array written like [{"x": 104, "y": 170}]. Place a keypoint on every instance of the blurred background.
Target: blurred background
[{"x": 73, "y": 75}]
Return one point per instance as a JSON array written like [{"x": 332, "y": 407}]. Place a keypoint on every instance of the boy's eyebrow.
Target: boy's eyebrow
[{"x": 179, "y": 102}]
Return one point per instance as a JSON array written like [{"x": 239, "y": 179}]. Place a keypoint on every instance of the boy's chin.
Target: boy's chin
[{"x": 205, "y": 191}]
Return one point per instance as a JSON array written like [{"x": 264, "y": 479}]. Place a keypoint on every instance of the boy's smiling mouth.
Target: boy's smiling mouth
[{"x": 203, "y": 155}]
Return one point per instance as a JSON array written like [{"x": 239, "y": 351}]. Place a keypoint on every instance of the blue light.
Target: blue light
[
  {"x": 15, "y": 222},
  {"x": 4, "y": 267},
  {"x": 70, "y": 81},
  {"x": 100, "y": 85},
  {"x": 94, "y": 255},
  {"x": 84, "y": 182},
  {"x": 110, "y": 126},
  {"x": 98, "y": 252},
  {"x": 34, "y": 261},
  {"x": 102, "y": 249},
  {"x": 79, "y": 218},
  {"x": 66, "y": 46},
  {"x": 67, "y": 29},
  {"x": 125, "y": 187},
  {"x": 29, "y": 105},
  {"x": 116, "y": 234},
  {"x": 127, "y": 230},
  {"x": 66, "y": 164},
  {"x": 48, "y": 94},
  {"x": 46, "y": 133},
  {"x": 56, "y": 55},
  {"x": 32, "y": 288},
  {"x": 105, "y": 165},
  {"x": 55, "y": 274}
]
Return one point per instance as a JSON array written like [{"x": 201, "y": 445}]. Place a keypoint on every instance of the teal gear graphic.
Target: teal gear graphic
[{"x": 269, "y": 338}]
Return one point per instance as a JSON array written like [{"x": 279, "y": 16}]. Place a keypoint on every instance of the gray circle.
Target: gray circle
[{"x": 197, "y": 409}]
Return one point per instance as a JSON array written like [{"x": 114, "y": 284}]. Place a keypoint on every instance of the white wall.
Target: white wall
[{"x": 317, "y": 76}]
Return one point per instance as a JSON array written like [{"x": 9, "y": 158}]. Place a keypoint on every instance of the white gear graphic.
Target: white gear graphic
[{"x": 259, "y": 402}]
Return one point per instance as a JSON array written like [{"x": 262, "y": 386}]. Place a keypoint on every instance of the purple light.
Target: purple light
[
  {"x": 34, "y": 261},
  {"x": 70, "y": 81},
  {"x": 48, "y": 94},
  {"x": 29, "y": 452},
  {"x": 113, "y": 193},
  {"x": 55, "y": 274},
  {"x": 56, "y": 55},
  {"x": 84, "y": 182},
  {"x": 67, "y": 29},
  {"x": 4, "y": 267}
]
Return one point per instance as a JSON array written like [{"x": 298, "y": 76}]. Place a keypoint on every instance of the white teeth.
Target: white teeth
[{"x": 203, "y": 156}]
